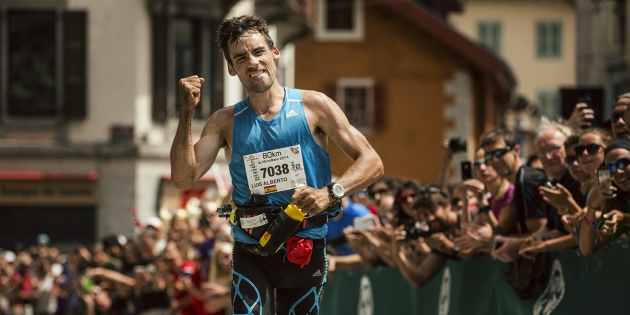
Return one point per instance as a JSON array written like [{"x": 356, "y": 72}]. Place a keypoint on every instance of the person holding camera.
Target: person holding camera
[
  {"x": 609, "y": 198},
  {"x": 492, "y": 197},
  {"x": 450, "y": 147},
  {"x": 432, "y": 206}
]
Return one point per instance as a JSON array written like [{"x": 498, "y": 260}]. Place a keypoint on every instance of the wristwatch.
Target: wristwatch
[{"x": 336, "y": 190}]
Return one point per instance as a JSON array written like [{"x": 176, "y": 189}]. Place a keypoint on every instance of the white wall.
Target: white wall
[
  {"x": 518, "y": 42},
  {"x": 118, "y": 66}
]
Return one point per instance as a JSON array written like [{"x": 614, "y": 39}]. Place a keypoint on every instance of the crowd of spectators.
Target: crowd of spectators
[
  {"x": 180, "y": 266},
  {"x": 515, "y": 209},
  {"x": 512, "y": 208}
]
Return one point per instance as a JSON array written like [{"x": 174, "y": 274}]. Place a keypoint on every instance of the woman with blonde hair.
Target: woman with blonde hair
[{"x": 217, "y": 289}]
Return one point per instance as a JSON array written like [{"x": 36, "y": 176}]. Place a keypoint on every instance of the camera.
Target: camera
[
  {"x": 416, "y": 229},
  {"x": 457, "y": 145}
]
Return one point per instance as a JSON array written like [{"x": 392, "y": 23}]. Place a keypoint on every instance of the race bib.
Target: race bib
[{"x": 275, "y": 170}]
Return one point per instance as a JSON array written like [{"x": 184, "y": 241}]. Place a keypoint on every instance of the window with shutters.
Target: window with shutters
[
  {"x": 549, "y": 39},
  {"x": 42, "y": 64},
  {"x": 340, "y": 20},
  {"x": 184, "y": 45},
  {"x": 489, "y": 35},
  {"x": 357, "y": 98}
]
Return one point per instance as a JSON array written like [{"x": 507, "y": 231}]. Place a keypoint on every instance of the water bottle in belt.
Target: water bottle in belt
[{"x": 281, "y": 229}]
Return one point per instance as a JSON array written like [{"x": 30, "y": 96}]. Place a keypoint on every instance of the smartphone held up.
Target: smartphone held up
[
  {"x": 466, "y": 168},
  {"x": 603, "y": 173}
]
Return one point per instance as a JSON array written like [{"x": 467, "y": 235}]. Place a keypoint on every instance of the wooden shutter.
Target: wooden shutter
[
  {"x": 160, "y": 66},
  {"x": 557, "y": 39},
  {"x": 380, "y": 107},
  {"x": 74, "y": 64}
]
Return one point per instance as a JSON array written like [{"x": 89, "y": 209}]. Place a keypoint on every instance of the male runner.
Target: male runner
[{"x": 276, "y": 141}]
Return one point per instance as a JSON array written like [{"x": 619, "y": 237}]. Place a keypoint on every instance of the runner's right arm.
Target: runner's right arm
[{"x": 189, "y": 162}]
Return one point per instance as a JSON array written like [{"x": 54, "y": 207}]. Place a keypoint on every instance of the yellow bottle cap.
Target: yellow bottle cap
[
  {"x": 294, "y": 212},
  {"x": 233, "y": 216}
]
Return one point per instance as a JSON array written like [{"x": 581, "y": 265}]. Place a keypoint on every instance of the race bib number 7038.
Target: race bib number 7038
[{"x": 275, "y": 170}]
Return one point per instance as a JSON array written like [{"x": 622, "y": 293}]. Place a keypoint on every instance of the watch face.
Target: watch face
[{"x": 338, "y": 190}]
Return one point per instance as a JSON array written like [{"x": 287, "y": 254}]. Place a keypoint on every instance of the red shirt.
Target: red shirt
[
  {"x": 23, "y": 282},
  {"x": 197, "y": 303},
  {"x": 187, "y": 267}
]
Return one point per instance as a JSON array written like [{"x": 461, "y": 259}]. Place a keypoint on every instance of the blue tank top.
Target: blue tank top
[{"x": 252, "y": 134}]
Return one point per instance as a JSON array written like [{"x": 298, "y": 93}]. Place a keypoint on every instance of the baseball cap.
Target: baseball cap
[{"x": 154, "y": 222}]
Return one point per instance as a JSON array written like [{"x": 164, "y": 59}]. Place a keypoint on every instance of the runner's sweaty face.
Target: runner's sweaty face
[{"x": 253, "y": 62}]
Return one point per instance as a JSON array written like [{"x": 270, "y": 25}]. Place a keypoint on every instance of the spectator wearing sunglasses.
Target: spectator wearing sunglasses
[
  {"x": 573, "y": 219},
  {"x": 501, "y": 214},
  {"x": 363, "y": 197},
  {"x": 573, "y": 165},
  {"x": 403, "y": 202},
  {"x": 608, "y": 199},
  {"x": 619, "y": 118},
  {"x": 503, "y": 153},
  {"x": 383, "y": 192},
  {"x": 490, "y": 196},
  {"x": 590, "y": 153}
]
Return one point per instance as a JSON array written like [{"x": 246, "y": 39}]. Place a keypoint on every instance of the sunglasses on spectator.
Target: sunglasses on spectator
[
  {"x": 618, "y": 164},
  {"x": 373, "y": 194},
  {"x": 497, "y": 153},
  {"x": 618, "y": 114},
  {"x": 362, "y": 193},
  {"x": 477, "y": 164},
  {"x": 591, "y": 149},
  {"x": 400, "y": 199},
  {"x": 570, "y": 159}
]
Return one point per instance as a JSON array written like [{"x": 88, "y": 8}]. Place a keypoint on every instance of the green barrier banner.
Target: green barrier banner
[{"x": 599, "y": 284}]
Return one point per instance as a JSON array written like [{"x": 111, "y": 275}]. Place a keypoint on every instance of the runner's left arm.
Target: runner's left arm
[{"x": 325, "y": 116}]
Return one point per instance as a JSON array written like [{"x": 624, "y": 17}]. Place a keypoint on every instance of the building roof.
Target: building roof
[{"x": 479, "y": 58}]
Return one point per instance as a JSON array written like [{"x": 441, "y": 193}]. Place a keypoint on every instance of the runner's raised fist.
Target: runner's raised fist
[{"x": 190, "y": 91}]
